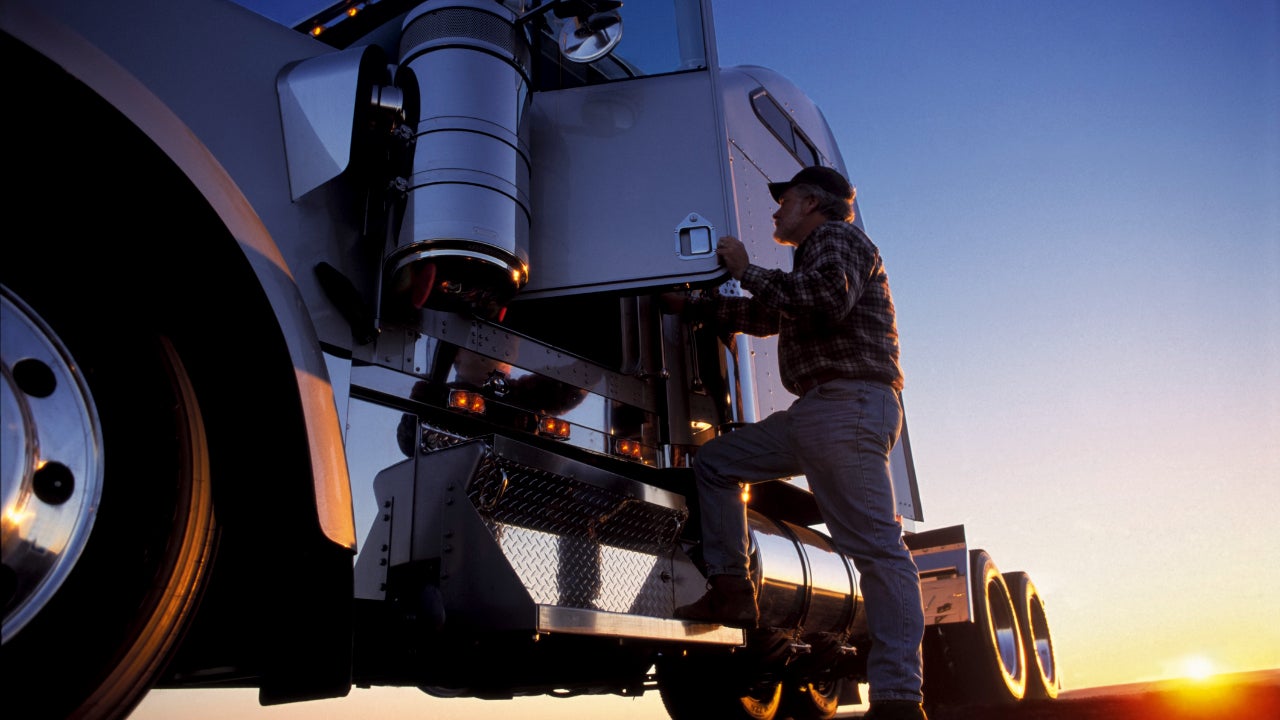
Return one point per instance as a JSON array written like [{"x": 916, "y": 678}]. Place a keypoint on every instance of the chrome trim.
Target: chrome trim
[{"x": 576, "y": 621}]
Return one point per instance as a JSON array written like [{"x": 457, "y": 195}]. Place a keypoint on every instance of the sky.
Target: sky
[{"x": 1078, "y": 203}]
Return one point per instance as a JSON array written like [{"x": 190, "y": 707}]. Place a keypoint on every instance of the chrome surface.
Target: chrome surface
[
  {"x": 601, "y": 146},
  {"x": 578, "y": 572},
  {"x": 618, "y": 510},
  {"x": 467, "y": 210},
  {"x": 50, "y": 460},
  {"x": 318, "y": 102},
  {"x": 599, "y": 404},
  {"x": 1045, "y": 658},
  {"x": 580, "y": 44},
  {"x": 1004, "y": 627},
  {"x": 535, "y": 356},
  {"x": 555, "y": 619},
  {"x": 834, "y": 598},
  {"x": 942, "y": 558},
  {"x": 802, "y": 581},
  {"x": 695, "y": 237}
]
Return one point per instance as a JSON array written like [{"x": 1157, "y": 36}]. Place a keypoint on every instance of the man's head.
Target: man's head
[
  {"x": 823, "y": 178},
  {"x": 815, "y": 195}
]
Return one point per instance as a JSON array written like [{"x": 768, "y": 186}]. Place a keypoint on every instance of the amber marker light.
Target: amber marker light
[
  {"x": 553, "y": 427},
  {"x": 628, "y": 448},
  {"x": 467, "y": 401}
]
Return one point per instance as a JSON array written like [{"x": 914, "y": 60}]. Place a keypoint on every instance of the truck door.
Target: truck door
[{"x": 629, "y": 182}]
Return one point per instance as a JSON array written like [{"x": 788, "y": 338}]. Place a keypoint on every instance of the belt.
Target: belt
[{"x": 826, "y": 376}]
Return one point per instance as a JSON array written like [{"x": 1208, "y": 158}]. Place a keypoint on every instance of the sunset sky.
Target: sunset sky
[{"x": 1079, "y": 206}]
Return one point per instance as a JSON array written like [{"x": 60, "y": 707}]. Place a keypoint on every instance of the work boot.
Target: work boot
[
  {"x": 729, "y": 600},
  {"x": 895, "y": 710}
]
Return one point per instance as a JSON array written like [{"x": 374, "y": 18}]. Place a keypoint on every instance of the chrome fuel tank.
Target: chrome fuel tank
[{"x": 803, "y": 582}]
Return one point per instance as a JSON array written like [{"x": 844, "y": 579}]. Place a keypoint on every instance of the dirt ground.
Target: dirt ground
[{"x": 1245, "y": 695}]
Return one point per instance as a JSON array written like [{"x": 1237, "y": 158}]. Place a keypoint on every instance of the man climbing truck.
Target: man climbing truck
[{"x": 333, "y": 356}]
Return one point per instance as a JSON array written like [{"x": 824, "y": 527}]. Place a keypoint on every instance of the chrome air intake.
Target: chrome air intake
[{"x": 463, "y": 241}]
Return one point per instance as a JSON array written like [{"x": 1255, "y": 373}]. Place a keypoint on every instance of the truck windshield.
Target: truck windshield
[{"x": 658, "y": 36}]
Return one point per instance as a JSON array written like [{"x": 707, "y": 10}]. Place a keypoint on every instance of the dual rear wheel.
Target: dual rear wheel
[{"x": 1004, "y": 655}]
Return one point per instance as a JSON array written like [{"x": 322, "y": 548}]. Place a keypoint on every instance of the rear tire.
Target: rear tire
[
  {"x": 1043, "y": 682},
  {"x": 811, "y": 700},
  {"x": 703, "y": 687},
  {"x": 981, "y": 662},
  {"x": 90, "y": 637}
]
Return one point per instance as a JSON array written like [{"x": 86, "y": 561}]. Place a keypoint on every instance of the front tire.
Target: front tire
[{"x": 88, "y": 636}]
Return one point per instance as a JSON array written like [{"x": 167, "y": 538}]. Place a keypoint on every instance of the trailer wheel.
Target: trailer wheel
[
  {"x": 815, "y": 700},
  {"x": 979, "y": 662},
  {"x": 697, "y": 688},
  {"x": 1043, "y": 682},
  {"x": 108, "y": 514}
]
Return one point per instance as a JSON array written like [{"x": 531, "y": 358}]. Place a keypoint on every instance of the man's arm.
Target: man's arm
[{"x": 827, "y": 282}]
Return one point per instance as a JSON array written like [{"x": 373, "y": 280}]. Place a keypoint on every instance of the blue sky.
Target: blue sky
[{"x": 1079, "y": 207}]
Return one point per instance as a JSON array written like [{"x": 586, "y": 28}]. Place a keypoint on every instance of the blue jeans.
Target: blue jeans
[{"x": 838, "y": 436}]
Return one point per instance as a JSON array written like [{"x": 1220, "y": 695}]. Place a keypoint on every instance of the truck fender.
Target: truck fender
[{"x": 99, "y": 72}]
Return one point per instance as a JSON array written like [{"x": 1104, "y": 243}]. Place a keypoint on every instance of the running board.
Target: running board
[{"x": 577, "y": 621}]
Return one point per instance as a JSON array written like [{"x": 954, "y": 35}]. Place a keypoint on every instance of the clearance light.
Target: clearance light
[
  {"x": 629, "y": 448},
  {"x": 553, "y": 427},
  {"x": 700, "y": 425},
  {"x": 315, "y": 31},
  {"x": 467, "y": 401},
  {"x": 351, "y": 11}
]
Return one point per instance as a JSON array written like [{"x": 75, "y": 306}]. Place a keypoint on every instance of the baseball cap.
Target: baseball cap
[{"x": 824, "y": 177}]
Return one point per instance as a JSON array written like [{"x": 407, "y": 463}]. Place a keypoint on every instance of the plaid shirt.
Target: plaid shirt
[{"x": 833, "y": 312}]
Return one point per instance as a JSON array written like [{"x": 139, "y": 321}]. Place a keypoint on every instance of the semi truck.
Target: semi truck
[{"x": 333, "y": 357}]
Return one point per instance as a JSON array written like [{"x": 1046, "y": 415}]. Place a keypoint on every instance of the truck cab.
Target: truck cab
[{"x": 341, "y": 326}]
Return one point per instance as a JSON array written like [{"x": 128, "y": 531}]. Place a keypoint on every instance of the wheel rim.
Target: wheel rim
[
  {"x": 763, "y": 701},
  {"x": 1004, "y": 629},
  {"x": 107, "y": 630},
  {"x": 814, "y": 700},
  {"x": 51, "y": 442},
  {"x": 1043, "y": 644}
]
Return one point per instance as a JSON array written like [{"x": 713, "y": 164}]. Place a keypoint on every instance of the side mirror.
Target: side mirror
[
  {"x": 587, "y": 39},
  {"x": 591, "y": 28}
]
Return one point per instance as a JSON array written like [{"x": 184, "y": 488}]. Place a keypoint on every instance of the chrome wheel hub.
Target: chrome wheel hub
[{"x": 50, "y": 462}]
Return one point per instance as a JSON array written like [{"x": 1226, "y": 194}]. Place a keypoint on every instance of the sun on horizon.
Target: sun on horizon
[{"x": 1198, "y": 668}]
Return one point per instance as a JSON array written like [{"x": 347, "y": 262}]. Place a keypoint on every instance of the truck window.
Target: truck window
[
  {"x": 658, "y": 37},
  {"x": 780, "y": 123}
]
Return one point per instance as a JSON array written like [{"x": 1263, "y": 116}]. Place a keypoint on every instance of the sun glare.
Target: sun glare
[{"x": 1197, "y": 667}]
